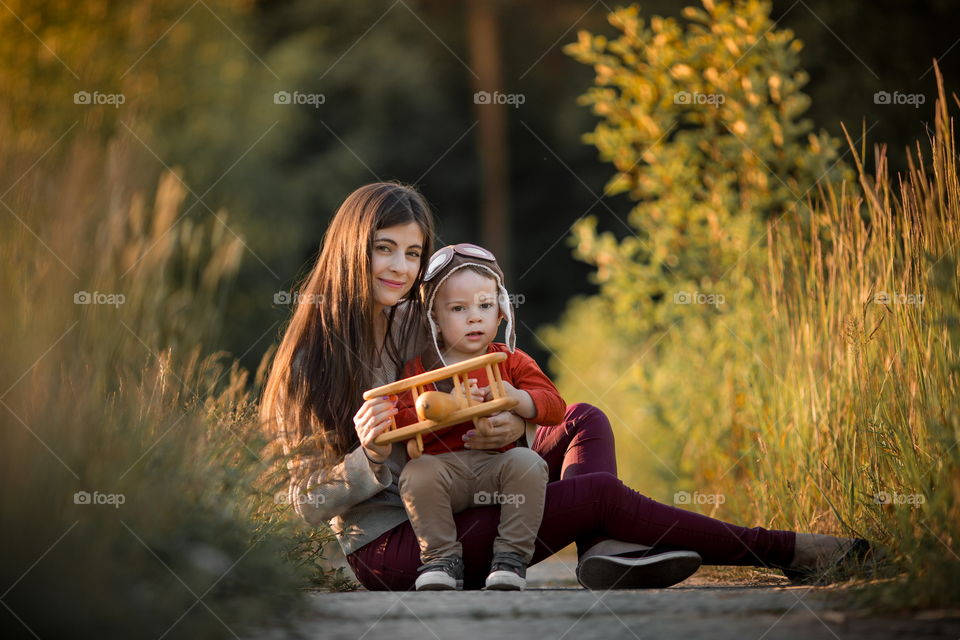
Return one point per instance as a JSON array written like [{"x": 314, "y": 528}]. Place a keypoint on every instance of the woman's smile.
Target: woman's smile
[{"x": 393, "y": 284}]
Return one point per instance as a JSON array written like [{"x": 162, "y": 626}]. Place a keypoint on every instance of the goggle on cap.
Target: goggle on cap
[{"x": 447, "y": 261}]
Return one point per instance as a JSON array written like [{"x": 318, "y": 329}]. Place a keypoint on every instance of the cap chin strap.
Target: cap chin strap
[{"x": 506, "y": 309}]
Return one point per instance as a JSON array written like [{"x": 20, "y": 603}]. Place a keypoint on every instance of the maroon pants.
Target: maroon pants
[{"x": 585, "y": 503}]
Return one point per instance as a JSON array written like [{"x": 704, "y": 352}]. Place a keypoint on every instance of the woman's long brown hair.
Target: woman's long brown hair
[{"x": 324, "y": 361}]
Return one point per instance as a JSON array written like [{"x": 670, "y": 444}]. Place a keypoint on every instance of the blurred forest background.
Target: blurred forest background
[
  {"x": 706, "y": 273},
  {"x": 398, "y": 79}
]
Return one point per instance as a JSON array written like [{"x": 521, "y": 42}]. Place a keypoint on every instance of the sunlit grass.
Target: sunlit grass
[
  {"x": 822, "y": 395},
  {"x": 864, "y": 365},
  {"x": 137, "y": 489}
]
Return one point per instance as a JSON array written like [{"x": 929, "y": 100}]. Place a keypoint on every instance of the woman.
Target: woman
[{"x": 357, "y": 320}]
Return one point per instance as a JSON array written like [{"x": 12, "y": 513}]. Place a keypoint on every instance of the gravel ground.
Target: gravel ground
[{"x": 714, "y": 604}]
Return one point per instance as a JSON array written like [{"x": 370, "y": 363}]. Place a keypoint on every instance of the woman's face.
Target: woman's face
[{"x": 395, "y": 262}]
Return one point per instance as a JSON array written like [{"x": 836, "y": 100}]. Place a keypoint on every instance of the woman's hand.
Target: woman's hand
[
  {"x": 505, "y": 427},
  {"x": 372, "y": 419}
]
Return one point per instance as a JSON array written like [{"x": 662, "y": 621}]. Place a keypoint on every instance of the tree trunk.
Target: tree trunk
[{"x": 484, "y": 37}]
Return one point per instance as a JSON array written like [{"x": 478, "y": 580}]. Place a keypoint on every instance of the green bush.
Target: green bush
[{"x": 702, "y": 123}]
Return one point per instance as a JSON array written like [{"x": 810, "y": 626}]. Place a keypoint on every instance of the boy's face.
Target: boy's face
[{"x": 467, "y": 313}]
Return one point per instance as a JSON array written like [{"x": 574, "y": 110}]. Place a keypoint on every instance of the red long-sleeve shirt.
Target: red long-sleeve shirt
[{"x": 519, "y": 369}]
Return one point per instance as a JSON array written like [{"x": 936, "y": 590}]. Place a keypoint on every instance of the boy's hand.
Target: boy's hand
[
  {"x": 477, "y": 394},
  {"x": 512, "y": 391},
  {"x": 525, "y": 407}
]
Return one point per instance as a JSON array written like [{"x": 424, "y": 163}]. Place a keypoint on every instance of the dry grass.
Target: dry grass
[
  {"x": 858, "y": 355},
  {"x": 118, "y": 398},
  {"x": 822, "y": 396}
]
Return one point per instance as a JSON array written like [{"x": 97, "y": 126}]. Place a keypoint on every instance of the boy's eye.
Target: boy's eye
[
  {"x": 457, "y": 307},
  {"x": 486, "y": 305}
]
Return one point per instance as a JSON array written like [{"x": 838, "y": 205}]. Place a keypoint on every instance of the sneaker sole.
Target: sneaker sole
[
  {"x": 505, "y": 581},
  {"x": 650, "y": 572},
  {"x": 439, "y": 586}
]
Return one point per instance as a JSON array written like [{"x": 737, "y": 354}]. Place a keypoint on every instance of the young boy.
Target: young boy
[{"x": 465, "y": 300}]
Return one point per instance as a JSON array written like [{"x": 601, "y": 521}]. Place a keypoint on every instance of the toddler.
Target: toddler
[{"x": 465, "y": 300}]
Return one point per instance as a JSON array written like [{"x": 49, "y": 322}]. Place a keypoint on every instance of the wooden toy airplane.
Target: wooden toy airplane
[{"x": 437, "y": 409}]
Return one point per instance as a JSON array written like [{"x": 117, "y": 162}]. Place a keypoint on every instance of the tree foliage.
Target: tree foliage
[{"x": 703, "y": 123}]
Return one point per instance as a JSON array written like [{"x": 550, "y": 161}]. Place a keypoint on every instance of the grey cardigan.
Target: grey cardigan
[{"x": 359, "y": 499}]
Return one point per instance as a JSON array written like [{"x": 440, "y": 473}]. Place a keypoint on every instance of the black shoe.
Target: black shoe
[
  {"x": 842, "y": 568},
  {"x": 508, "y": 572},
  {"x": 442, "y": 574},
  {"x": 648, "y": 569}
]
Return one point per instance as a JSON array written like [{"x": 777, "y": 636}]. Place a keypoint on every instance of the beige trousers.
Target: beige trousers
[{"x": 434, "y": 487}]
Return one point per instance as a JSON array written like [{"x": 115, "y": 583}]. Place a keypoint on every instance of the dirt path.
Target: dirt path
[{"x": 714, "y": 604}]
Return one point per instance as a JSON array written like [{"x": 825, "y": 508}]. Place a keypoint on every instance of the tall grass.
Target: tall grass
[
  {"x": 863, "y": 369},
  {"x": 137, "y": 497},
  {"x": 822, "y": 395}
]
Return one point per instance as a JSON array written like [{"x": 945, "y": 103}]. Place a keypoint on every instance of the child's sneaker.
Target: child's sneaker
[
  {"x": 442, "y": 574},
  {"x": 508, "y": 572}
]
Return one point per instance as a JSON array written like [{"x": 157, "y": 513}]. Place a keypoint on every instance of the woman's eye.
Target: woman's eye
[
  {"x": 383, "y": 247},
  {"x": 414, "y": 254}
]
